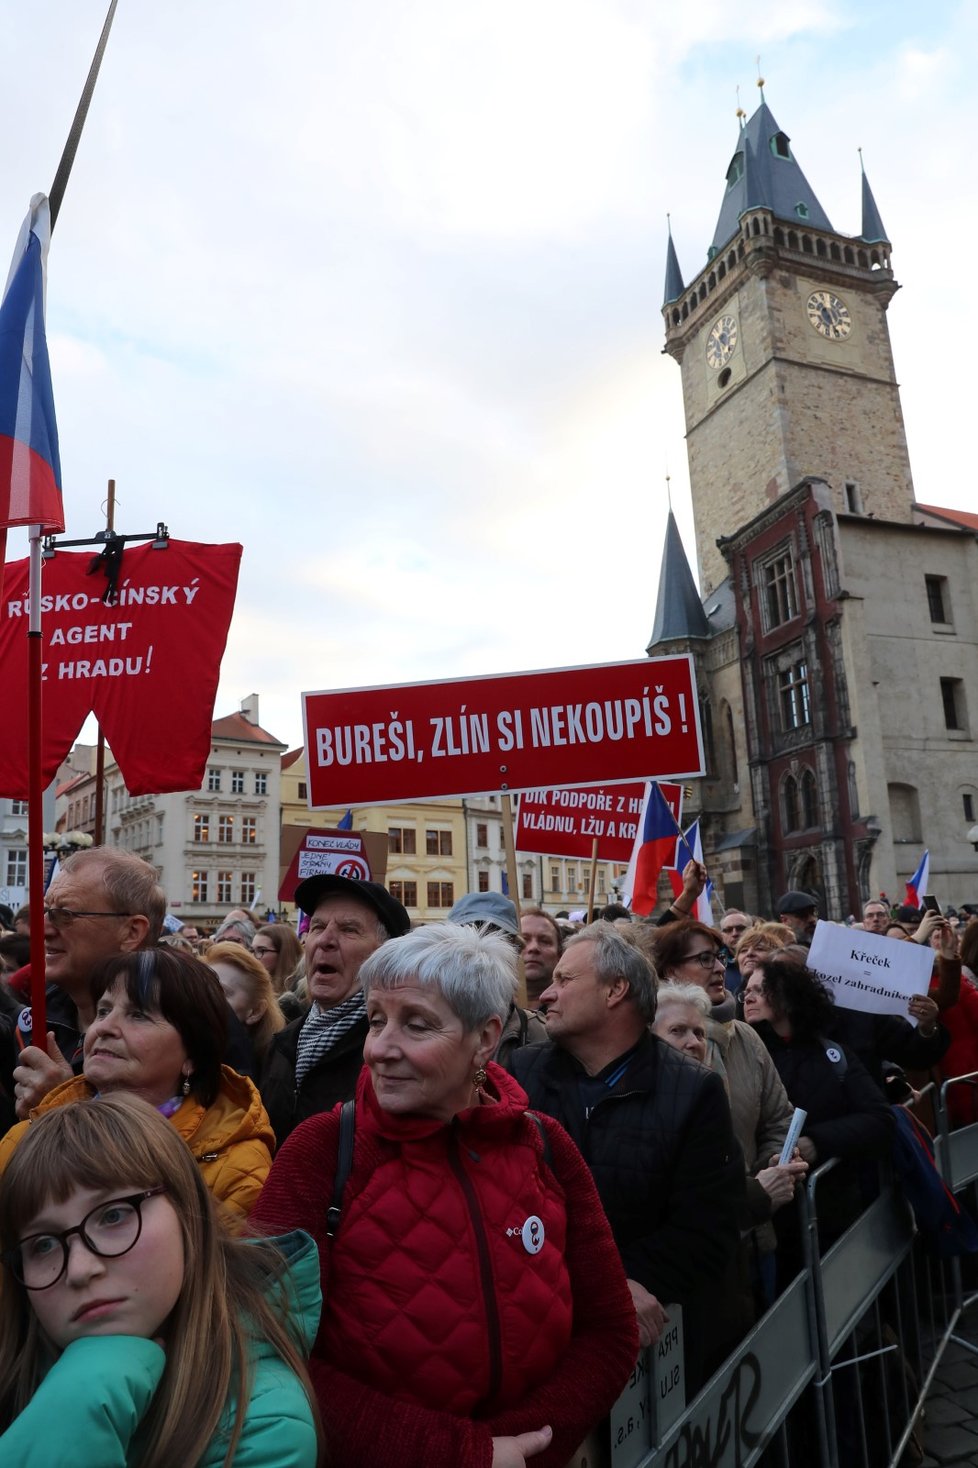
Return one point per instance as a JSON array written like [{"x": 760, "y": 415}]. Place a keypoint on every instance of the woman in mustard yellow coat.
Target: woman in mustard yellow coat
[{"x": 159, "y": 1032}]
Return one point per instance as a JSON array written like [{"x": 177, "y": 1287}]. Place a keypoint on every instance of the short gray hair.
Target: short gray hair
[
  {"x": 474, "y": 971},
  {"x": 616, "y": 958},
  {"x": 691, "y": 994}
]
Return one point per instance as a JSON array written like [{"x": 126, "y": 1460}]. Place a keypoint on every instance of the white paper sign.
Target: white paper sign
[{"x": 867, "y": 972}]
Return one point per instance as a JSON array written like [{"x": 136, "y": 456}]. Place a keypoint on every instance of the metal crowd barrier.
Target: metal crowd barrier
[{"x": 836, "y": 1373}]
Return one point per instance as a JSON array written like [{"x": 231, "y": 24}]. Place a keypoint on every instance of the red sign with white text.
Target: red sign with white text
[
  {"x": 147, "y": 666},
  {"x": 322, "y": 853},
  {"x": 516, "y": 731},
  {"x": 567, "y": 822}
]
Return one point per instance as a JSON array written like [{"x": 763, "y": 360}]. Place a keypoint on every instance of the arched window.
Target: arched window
[
  {"x": 709, "y": 746},
  {"x": 809, "y": 800},
  {"x": 789, "y": 803}
]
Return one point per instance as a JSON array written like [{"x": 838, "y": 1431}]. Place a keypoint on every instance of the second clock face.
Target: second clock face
[
  {"x": 721, "y": 341},
  {"x": 829, "y": 315}
]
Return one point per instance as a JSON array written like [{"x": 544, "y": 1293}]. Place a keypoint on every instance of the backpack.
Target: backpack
[{"x": 946, "y": 1227}]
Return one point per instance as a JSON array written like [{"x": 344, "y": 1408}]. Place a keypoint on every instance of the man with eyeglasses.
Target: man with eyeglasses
[
  {"x": 102, "y": 902},
  {"x": 733, "y": 926}
]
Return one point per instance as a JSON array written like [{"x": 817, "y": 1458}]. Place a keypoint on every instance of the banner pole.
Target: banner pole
[
  {"x": 593, "y": 879},
  {"x": 509, "y": 840},
  {"x": 81, "y": 112},
  {"x": 35, "y": 794},
  {"x": 100, "y": 745}
]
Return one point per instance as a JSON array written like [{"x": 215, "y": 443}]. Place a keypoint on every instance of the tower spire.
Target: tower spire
[
  {"x": 764, "y": 174},
  {"x": 872, "y": 231},
  {"x": 679, "y": 613},
  {"x": 674, "y": 276}
]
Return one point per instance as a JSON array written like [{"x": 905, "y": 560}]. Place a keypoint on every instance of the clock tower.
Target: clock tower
[{"x": 785, "y": 354}]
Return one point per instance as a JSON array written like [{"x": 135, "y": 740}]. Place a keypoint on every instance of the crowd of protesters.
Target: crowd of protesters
[{"x": 379, "y": 1195}]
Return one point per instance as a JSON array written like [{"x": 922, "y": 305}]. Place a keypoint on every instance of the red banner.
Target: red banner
[
  {"x": 568, "y": 822},
  {"x": 518, "y": 731},
  {"x": 147, "y": 667},
  {"x": 326, "y": 852}
]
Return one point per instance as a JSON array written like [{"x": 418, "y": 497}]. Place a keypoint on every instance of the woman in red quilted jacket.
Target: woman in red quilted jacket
[{"x": 476, "y": 1312}]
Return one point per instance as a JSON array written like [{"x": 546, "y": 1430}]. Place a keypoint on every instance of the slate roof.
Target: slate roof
[
  {"x": 872, "y": 231},
  {"x": 674, "y": 276},
  {"x": 764, "y": 179},
  {"x": 679, "y": 612}
]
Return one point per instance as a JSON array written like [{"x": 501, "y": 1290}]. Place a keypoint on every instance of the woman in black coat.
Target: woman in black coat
[{"x": 848, "y": 1115}]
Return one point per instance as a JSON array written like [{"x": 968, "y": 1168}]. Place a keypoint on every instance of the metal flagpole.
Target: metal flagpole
[{"x": 35, "y": 820}]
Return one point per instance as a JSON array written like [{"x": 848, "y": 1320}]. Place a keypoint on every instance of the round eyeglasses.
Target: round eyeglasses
[{"x": 110, "y": 1229}]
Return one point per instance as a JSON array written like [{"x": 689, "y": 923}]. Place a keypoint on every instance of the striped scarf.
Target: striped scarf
[{"x": 323, "y": 1029}]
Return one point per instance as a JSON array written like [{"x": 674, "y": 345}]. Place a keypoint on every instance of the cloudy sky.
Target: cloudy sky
[{"x": 375, "y": 289}]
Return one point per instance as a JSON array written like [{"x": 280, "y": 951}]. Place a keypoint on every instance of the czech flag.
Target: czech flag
[
  {"x": 689, "y": 847},
  {"x": 30, "y": 465},
  {"x": 655, "y": 844},
  {"x": 919, "y": 883}
]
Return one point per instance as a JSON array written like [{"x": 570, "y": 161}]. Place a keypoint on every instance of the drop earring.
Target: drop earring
[
  {"x": 480, "y": 1078},
  {"x": 185, "y": 1088}
]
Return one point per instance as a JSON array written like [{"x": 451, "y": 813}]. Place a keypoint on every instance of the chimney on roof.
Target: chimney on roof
[{"x": 249, "y": 708}]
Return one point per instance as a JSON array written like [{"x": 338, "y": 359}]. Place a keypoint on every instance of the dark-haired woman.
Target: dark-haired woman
[
  {"x": 848, "y": 1115},
  {"x": 159, "y": 1032}
]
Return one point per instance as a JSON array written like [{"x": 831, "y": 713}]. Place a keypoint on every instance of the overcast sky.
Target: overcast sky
[{"x": 375, "y": 289}]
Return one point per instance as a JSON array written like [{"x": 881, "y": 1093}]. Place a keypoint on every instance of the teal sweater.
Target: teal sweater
[{"x": 89, "y": 1406}]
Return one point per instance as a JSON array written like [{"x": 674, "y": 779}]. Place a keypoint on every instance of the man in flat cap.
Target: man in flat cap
[
  {"x": 314, "y": 1062},
  {"x": 799, "y": 910}
]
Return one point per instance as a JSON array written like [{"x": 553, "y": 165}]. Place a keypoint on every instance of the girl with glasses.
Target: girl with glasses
[{"x": 134, "y": 1329}]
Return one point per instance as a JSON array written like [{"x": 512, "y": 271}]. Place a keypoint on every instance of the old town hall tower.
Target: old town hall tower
[{"x": 836, "y": 626}]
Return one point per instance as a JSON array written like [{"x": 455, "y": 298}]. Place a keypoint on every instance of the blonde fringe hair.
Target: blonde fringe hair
[
  {"x": 120, "y": 1142},
  {"x": 261, "y": 990}
]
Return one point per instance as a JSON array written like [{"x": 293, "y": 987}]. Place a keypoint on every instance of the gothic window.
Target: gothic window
[
  {"x": 793, "y": 696},
  {"x": 809, "y": 800},
  {"x": 779, "y": 597},
  {"x": 789, "y": 803},
  {"x": 706, "y": 724},
  {"x": 731, "y": 772}
]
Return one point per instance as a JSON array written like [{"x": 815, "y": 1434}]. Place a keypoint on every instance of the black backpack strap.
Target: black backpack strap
[
  {"x": 548, "y": 1155},
  {"x": 344, "y": 1161}
]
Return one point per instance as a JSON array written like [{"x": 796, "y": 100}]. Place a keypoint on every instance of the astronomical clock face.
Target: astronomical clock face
[
  {"x": 829, "y": 316},
  {"x": 721, "y": 342}
]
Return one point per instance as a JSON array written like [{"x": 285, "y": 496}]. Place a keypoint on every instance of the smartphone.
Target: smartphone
[{"x": 930, "y": 903}]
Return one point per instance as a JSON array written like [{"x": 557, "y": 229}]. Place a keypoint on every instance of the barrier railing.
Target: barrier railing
[{"x": 836, "y": 1372}]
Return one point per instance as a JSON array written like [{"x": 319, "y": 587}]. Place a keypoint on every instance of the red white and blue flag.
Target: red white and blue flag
[
  {"x": 655, "y": 846},
  {"x": 919, "y": 883},
  {"x": 30, "y": 466},
  {"x": 689, "y": 847}
]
